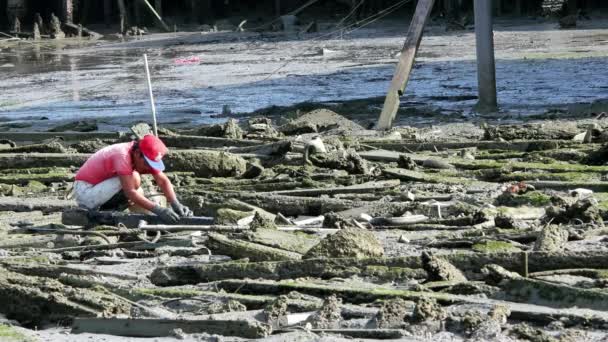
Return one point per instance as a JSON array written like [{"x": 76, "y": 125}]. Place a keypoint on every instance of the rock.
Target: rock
[
  {"x": 77, "y": 126},
  {"x": 494, "y": 274},
  {"x": 552, "y": 238},
  {"x": 299, "y": 127},
  {"x": 276, "y": 311},
  {"x": 568, "y": 21},
  {"x": 406, "y": 162},
  {"x": 349, "y": 160},
  {"x": 325, "y": 120},
  {"x": 563, "y": 211},
  {"x": 427, "y": 309},
  {"x": 227, "y": 216},
  {"x": 262, "y": 222},
  {"x": 232, "y": 130},
  {"x": 440, "y": 270},
  {"x": 486, "y": 327},
  {"x": 333, "y": 220},
  {"x": 261, "y": 128},
  {"x": 392, "y": 314},
  {"x": 525, "y": 332},
  {"x": 229, "y": 306},
  {"x": 329, "y": 316},
  {"x": 347, "y": 243}
]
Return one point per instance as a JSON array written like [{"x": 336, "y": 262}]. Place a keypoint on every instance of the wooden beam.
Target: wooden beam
[
  {"x": 406, "y": 62},
  {"x": 486, "y": 69}
]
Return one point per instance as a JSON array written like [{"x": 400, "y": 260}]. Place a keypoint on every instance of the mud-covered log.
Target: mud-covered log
[
  {"x": 34, "y": 300},
  {"x": 206, "y": 163},
  {"x": 469, "y": 263},
  {"x": 83, "y": 217},
  {"x": 163, "y": 327},
  {"x": 521, "y": 145},
  {"x": 188, "y": 142},
  {"x": 46, "y": 205},
  {"x": 37, "y": 137},
  {"x": 395, "y": 268},
  {"x": 278, "y": 148},
  {"x": 221, "y": 244},
  {"x": 352, "y": 189}
]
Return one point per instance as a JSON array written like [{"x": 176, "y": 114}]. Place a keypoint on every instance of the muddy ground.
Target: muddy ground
[
  {"x": 198, "y": 76},
  {"x": 310, "y": 226}
]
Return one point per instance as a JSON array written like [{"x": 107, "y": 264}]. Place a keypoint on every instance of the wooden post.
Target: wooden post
[
  {"x": 486, "y": 70},
  {"x": 107, "y": 12},
  {"x": 123, "y": 16},
  {"x": 68, "y": 11},
  {"x": 277, "y": 7},
  {"x": 152, "y": 105},
  {"x": 156, "y": 16},
  {"x": 406, "y": 62}
]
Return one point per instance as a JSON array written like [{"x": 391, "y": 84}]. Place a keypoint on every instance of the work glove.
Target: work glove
[
  {"x": 181, "y": 209},
  {"x": 166, "y": 214}
]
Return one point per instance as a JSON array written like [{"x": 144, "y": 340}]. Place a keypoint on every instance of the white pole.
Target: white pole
[{"x": 151, "y": 95}]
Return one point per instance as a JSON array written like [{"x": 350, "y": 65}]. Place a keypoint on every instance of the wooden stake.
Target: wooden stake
[
  {"x": 155, "y": 128},
  {"x": 406, "y": 62},
  {"x": 156, "y": 15}
]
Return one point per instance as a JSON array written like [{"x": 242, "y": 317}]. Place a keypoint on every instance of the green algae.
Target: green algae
[
  {"x": 494, "y": 246},
  {"x": 10, "y": 334}
]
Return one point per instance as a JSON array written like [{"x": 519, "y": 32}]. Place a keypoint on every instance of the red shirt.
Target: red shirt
[{"x": 111, "y": 161}]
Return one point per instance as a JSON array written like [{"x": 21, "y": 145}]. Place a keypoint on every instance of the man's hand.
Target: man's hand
[
  {"x": 166, "y": 215},
  {"x": 181, "y": 209}
]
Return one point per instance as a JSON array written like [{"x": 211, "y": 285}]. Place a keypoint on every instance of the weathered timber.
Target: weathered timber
[
  {"x": 417, "y": 176},
  {"x": 352, "y": 189},
  {"x": 74, "y": 29},
  {"x": 189, "y": 142},
  {"x": 391, "y": 156},
  {"x": 278, "y": 148},
  {"x": 406, "y": 62},
  {"x": 38, "y": 137},
  {"x": 45, "y": 178},
  {"x": 297, "y": 243},
  {"x": 53, "y": 271},
  {"x": 82, "y": 217},
  {"x": 517, "y": 145},
  {"x": 36, "y": 300},
  {"x": 396, "y": 268},
  {"x": 221, "y": 244},
  {"x": 374, "y": 334},
  {"x": 163, "y": 327},
  {"x": 557, "y": 185},
  {"x": 46, "y": 205},
  {"x": 32, "y": 160},
  {"x": 326, "y": 268},
  {"x": 362, "y": 295}
]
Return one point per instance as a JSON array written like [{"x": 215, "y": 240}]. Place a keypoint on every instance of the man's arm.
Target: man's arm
[
  {"x": 129, "y": 187},
  {"x": 165, "y": 186}
]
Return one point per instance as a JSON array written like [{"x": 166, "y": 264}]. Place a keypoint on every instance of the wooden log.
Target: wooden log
[
  {"x": 406, "y": 62},
  {"x": 396, "y": 268},
  {"x": 69, "y": 27},
  {"x": 356, "y": 189},
  {"x": 189, "y": 142},
  {"x": 46, "y": 205},
  {"x": 221, "y": 244},
  {"x": 83, "y": 217},
  {"x": 273, "y": 149},
  {"x": 526, "y": 312},
  {"x": 514, "y": 145},
  {"x": 38, "y": 137},
  {"x": 35, "y": 300},
  {"x": 163, "y": 327},
  {"x": 372, "y": 334},
  {"x": 124, "y": 18},
  {"x": 471, "y": 263}
]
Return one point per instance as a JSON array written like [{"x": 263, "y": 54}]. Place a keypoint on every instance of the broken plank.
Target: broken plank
[
  {"x": 189, "y": 142},
  {"x": 361, "y": 295},
  {"x": 406, "y": 62},
  {"x": 163, "y": 327},
  {"x": 221, "y": 244},
  {"x": 516, "y": 145},
  {"x": 352, "y": 189}
]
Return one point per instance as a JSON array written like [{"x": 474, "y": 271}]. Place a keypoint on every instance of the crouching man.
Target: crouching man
[{"x": 110, "y": 179}]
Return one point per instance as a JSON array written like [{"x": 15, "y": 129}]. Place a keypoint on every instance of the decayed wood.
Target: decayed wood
[
  {"x": 517, "y": 145},
  {"x": 377, "y": 334},
  {"x": 278, "y": 148},
  {"x": 189, "y": 142},
  {"x": 525, "y": 311},
  {"x": 82, "y": 217},
  {"x": 46, "y": 205},
  {"x": 163, "y": 327},
  {"x": 221, "y": 244},
  {"x": 318, "y": 268},
  {"x": 406, "y": 62},
  {"x": 357, "y": 189},
  {"x": 326, "y": 268},
  {"x": 37, "y": 137}
]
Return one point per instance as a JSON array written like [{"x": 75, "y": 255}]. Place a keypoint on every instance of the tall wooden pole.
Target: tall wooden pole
[
  {"x": 406, "y": 62},
  {"x": 68, "y": 10},
  {"x": 486, "y": 70},
  {"x": 107, "y": 12},
  {"x": 152, "y": 105},
  {"x": 158, "y": 6}
]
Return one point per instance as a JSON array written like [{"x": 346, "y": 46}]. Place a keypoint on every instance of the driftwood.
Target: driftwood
[
  {"x": 188, "y": 142},
  {"x": 162, "y": 327},
  {"x": 221, "y": 244},
  {"x": 273, "y": 149},
  {"x": 37, "y": 137},
  {"x": 46, "y": 205},
  {"x": 356, "y": 189},
  {"x": 75, "y": 29}
]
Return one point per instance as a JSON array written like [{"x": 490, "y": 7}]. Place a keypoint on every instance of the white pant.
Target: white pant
[{"x": 92, "y": 196}]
